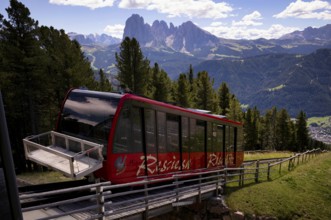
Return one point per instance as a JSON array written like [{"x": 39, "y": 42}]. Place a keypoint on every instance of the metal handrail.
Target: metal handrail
[{"x": 181, "y": 189}]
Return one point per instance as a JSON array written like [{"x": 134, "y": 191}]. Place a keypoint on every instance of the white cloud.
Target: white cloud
[
  {"x": 316, "y": 9},
  {"x": 243, "y": 32},
  {"x": 115, "y": 30},
  {"x": 178, "y": 8},
  {"x": 93, "y": 4},
  {"x": 249, "y": 20}
]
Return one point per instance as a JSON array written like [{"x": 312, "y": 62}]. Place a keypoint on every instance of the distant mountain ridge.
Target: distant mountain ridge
[
  {"x": 309, "y": 34},
  {"x": 190, "y": 39},
  {"x": 94, "y": 39},
  {"x": 185, "y": 38},
  {"x": 291, "y": 72}
]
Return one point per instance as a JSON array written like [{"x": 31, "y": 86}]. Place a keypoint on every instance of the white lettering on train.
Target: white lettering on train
[
  {"x": 162, "y": 166},
  {"x": 214, "y": 160}
]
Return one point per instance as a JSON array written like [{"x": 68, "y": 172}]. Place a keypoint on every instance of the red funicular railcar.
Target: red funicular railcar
[{"x": 143, "y": 137}]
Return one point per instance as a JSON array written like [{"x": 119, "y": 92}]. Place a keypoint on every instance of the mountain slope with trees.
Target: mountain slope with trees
[{"x": 294, "y": 82}]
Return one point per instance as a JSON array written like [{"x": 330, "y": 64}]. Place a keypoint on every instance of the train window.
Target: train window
[
  {"x": 185, "y": 135},
  {"x": 172, "y": 133},
  {"x": 220, "y": 138},
  {"x": 150, "y": 131},
  {"x": 128, "y": 136},
  {"x": 137, "y": 145},
  {"x": 123, "y": 132},
  {"x": 197, "y": 135},
  {"x": 192, "y": 132},
  {"x": 161, "y": 132},
  {"x": 229, "y": 140},
  {"x": 89, "y": 115},
  {"x": 210, "y": 138}
]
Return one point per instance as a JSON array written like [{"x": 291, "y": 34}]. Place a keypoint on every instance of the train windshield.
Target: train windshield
[{"x": 88, "y": 115}]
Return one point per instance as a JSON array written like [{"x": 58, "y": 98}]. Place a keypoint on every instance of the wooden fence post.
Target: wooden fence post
[
  {"x": 101, "y": 201},
  {"x": 243, "y": 175},
  {"x": 225, "y": 176},
  {"x": 257, "y": 171},
  {"x": 217, "y": 183},
  {"x": 268, "y": 175}
]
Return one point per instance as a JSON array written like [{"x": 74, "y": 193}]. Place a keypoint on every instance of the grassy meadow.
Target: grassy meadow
[
  {"x": 320, "y": 121},
  {"x": 42, "y": 177},
  {"x": 267, "y": 155},
  {"x": 304, "y": 193}
]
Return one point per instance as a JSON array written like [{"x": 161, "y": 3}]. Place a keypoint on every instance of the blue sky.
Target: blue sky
[{"x": 233, "y": 19}]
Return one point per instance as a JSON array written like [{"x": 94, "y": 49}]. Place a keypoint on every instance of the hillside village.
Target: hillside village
[{"x": 321, "y": 131}]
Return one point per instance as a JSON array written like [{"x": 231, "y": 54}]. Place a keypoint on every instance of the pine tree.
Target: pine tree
[
  {"x": 282, "y": 130},
  {"x": 224, "y": 98},
  {"x": 104, "y": 84},
  {"x": 292, "y": 140},
  {"x": 66, "y": 63},
  {"x": 251, "y": 121},
  {"x": 204, "y": 92},
  {"x": 191, "y": 77},
  {"x": 21, "y": 69},
  {"x": 235, "y": 113},
  {"x": 302, "y": 132},
  {"x": 65, "y": 67},
  {"x": 38, "y": 66},
  {"x": 21, "y": 55},
  {"x": 182, "y": 97},
  {"x": 162, "y": 87},
  {"x": 132, "y": 67},
  {"x": 263, "y": 133}
]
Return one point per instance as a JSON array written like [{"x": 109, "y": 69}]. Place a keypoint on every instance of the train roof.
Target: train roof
[
  {"x": 200, "y": 112},
  {"x": 126, "y": 96}
]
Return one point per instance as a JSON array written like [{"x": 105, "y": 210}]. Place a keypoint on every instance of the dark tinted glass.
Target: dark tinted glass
[
  {"x": 161, "y": 132},
  {"x": 185, "y": 135},
  {"x": 197, "y": 135},
  {"x": 150, "y": 131},
  {"x": 172, "y": 133},
  {"x": 88, "y": 115},
  {"x": 128, "y": 135}
]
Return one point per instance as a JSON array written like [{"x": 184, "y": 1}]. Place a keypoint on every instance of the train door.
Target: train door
[
  {"x": 151, "y": 156},
  {"x": 197, "y": 144},
  {"x": 220, "y": 142},
  {"x": 173, "y": 143},
  {"x": 185, "y": 144},
  {"x": 168, "y": 130},
  {"x": 230, "y": 145},
  {"x": 127, "y": 158},
  {"x": 214, "y": 145}
]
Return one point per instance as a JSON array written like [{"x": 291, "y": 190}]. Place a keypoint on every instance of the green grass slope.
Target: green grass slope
[{"x": 304, "y": 193}]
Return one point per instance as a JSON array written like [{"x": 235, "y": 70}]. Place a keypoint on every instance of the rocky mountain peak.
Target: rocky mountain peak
[
  {"x": 185, "y": 38},
  {"x": 310, "y": 33},
  {"x": 135, "y": 27}
]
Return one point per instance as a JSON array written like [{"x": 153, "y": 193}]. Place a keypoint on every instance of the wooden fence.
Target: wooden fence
[
  {"x": 266, "y": 170},
  {"x": 150, "y": 199}
]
